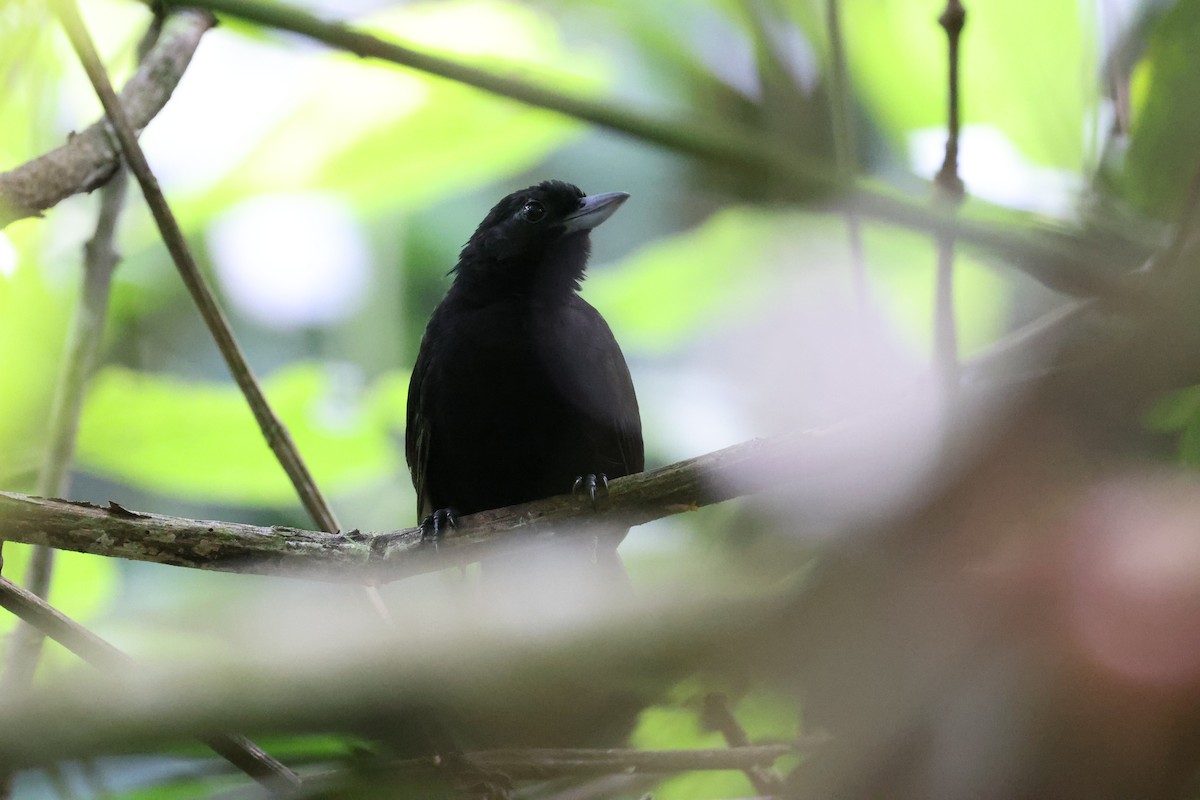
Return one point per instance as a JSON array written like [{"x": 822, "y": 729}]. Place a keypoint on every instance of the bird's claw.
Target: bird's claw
[
  {"x": 594, "y": 487},
  {"x": 434, "y": 526}
]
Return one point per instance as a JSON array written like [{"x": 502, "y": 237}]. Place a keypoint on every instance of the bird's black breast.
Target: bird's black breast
[{"x": 512, "y": 399}]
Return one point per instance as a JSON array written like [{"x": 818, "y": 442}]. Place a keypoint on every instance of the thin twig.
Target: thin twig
[
  {"x": 950, "y": 192},
  {"x": 845, "y": 147},
  {"x": 273, "y": 429},
  {"x": 949, "y": 183},
  {"x": 83, "y": 345},
  {"x": 719, "y": 716},
  {"x": 241, "y": 752},
  {"x": 753, "y": 466},
  {"x": 540, "y": 764}
]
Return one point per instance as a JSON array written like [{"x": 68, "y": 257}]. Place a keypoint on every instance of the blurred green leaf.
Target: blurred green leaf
[
  {"x": 738, "y": 260},
  {"x": 671, "y": 728},
  {"x": 200, "y": 441},
  {"x": 662, "y": 294},
  {"x": 33, "y": 321},
  {"x": 1164, "y": 149},
  {"x": 1174, "y": 411},
  {"x": 392, "y": 139},
  {"x": 764, "y": 715}
]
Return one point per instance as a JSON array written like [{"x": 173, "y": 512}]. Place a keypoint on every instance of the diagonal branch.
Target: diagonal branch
[
  {"x": 34, "y": 611},
  {"x": 742, "y": 469},
  {"x": 277, "y": 436},
  {"x": 89, "y": 158}
]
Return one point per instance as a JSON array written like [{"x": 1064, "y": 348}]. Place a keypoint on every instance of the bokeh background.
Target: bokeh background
[{"x": 326, "y": 197}]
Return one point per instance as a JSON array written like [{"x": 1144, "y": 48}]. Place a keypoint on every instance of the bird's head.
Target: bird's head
[{"x": 535, "y": 239}]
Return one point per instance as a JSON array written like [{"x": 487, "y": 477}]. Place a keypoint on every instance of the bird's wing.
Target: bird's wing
[
  {"x": 598, "y": 377},
  {"x": 417, "y": 431}
]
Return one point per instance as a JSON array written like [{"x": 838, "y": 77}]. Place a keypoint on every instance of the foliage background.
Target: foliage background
[{"x": 327, "y": 197}]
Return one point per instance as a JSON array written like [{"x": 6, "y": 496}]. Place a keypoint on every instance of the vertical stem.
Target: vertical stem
[
  {"x": 83, "y": 343},
  {"x": 945, "y": 332},
  {"x": 950, "y": 190},
  {"x": 845, "y": 147}
]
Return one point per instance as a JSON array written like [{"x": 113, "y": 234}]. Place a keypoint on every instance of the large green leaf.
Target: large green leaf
[
  {"x": 394, "y": 139},
  {"x": 33, "y": 321},
  {"x": 200, "y": 441}
]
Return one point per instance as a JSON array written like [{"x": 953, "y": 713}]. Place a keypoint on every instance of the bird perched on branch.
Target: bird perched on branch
[{"x": 520, "y": 390}]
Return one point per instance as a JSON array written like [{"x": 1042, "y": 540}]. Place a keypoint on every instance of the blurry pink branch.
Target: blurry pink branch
[
  {"x": 742, "y": 469},
  {"x": 89, "y": 158}
]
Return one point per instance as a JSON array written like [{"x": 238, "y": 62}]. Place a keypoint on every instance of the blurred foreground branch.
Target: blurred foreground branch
[
  {"x": 35, "y": 612},
  {"x": 742, "y": 469},
  {"x": 323, "y": 666},
  {"x": 89, "y": 158}
]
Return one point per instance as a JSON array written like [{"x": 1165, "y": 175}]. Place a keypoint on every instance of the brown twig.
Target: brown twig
[
  {"x": 273, "y": 429},
  {"x": 541, "y": 764},
  {"x": 742, "y": 469},
  {"x": 238, "y": 750},
  {"x": 950, "y": 191},
  {"x": 718, "y": 716},
  {"x": 89, "y": 157},
  {"x": 953, "y": 19}
]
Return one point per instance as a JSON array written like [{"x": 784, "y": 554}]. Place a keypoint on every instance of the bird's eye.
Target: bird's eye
[{"x": 533, "y": 212}]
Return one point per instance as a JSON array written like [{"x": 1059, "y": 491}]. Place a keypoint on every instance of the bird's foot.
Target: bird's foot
[
  {"x": 593, "y": 487},
  {"x": 434, "y": 526}
]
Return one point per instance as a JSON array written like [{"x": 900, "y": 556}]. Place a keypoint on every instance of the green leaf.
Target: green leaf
[
  {"x": 1174, "y": 411},
  {"x": 1165, "y": 141},
  {"x": 199, "y": 440},
  {"x": 391, "y": 139}
]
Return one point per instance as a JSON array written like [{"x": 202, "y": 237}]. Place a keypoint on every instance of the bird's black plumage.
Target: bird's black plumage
[{"x": 519, "y": 387}]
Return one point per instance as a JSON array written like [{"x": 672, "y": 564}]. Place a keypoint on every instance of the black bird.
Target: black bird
[{"x": 520, "y": 390}]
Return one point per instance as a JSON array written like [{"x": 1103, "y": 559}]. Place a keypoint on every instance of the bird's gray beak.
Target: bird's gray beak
[{"x": 593, "y": 210}]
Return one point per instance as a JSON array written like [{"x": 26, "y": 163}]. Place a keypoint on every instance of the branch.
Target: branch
[
  {"x": 34, "y": 611},
  {"x": 83, "y": 344},
  {"x": 717, "y": 715},
  {"x": 950, "y": 191},
  {"x": 320, "y": 669},
  {"x": 361, "y": 557},
  {"x": 277, "y": 436},
  {"x": 88, "y": 159}
]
